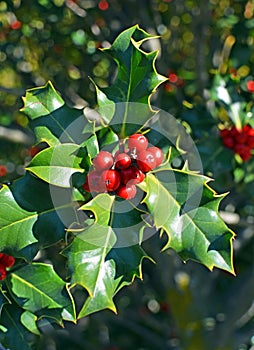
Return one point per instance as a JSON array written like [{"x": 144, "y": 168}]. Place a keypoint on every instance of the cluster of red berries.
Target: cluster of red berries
[
  {"x": 240, "y": 141},
  {"x": 120, "y": 172},
  {"x": 5, "y": 262}
]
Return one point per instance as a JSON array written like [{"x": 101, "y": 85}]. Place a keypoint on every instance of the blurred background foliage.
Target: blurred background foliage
[{"x": 176, "y": 306}]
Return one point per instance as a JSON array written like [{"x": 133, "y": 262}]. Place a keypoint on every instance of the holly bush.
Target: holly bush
[{"x": 97, "y": 236}]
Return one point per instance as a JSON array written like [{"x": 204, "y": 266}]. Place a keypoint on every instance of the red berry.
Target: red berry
[
  {"x": 146, "y": 161},
  {"x": 2, "y": 273},
  {"x": 131, "y": 175},
  {"x": 7, "y": 260},
  {"x": 250, "y": 141},
  {"x": 157, "y": 153},
  {"x": 103, "y": 161},
  {"x": 228, "y": 142},
  {"x": 243, "y": 151},
  {"x": 251, "y": 131},
  {"x": 246, "y": 129},
  {"x": 224, "y": 133},
  {"x": 122, "y": 161},
  {"x": 138, "y": 141},
  {"x": 111, "y": 179},
  {"x": 3, "y": 170},
  {"x": 246, "y": 156},
  {"x": 94, "y": 182},
  {"x": 126, "y": 191},
  {"x": 233, "y": 131},
  {"x": 241, "y": 137},
  {"x": 250, "y": 86}
]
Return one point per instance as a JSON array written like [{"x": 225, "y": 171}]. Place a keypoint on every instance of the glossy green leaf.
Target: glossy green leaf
[
  {"x": 53, "y": 205},
  {"x": 51, "y": 119},
  {"x": 128, "y": 261},
  {"x": 136, "y": 80},
  {"x": 16, "y": 223},
  {"x": 87, "y": 258},
  {"x": 38, "y": 289},
  {"x": 186, "y": 209},
  {"x": 57, "y": 164}
]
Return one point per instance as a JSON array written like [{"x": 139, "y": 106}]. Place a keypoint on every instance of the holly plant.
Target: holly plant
[{"x": 97, "y": 188}]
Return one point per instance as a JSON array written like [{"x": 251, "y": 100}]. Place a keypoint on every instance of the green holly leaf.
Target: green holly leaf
[
  {"x": 127, "y": 101},
  {"x": 51, "y": 119},
  {"x": 56, "y": 165},
  {"x": 38, "y": 289},
  {"x": 16, "y": 223},
  {"x": 87, "y": 258},
  {"x": 49, "y": 208},
  {"x": 13, "y": 334},
  {"x": 186, "y": 209},
  {"x": 128, "y": 262}
]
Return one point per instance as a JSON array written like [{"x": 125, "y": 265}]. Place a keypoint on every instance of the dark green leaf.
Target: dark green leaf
[
  {"x": 38, "y": 289},
  {"x": 53, "y": 121},
  {"x": 16, "y": 223},
  {"x": 54, "y": 207},
  {"x": 127, "y": 100},
  {"x": 14, "y": 335}
]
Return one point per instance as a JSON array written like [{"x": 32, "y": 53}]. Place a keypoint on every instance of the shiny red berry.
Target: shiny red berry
[
  {"x": 250, "y": 141},
  {"x": 103, "y": 161},
  {"x": 224, "y": 133},
  {"x": 243, "y": 151},
  {"x": 110, "y": 179},
  {"x": 241, "y": 137},
  {"x": 246, "y": 129},
  {"x": 126, "y": 191},
  {"x": 7, "y": 260},
  {"x": 131, "y": 175},
  {"x": 94, "y": 182},
  {"x": 157, "y": 153},
  {"x": 122, "y": 161},
  {"x": 228, "y": 142},
  {"x": 138, "y": 141},
  {"x": 146, "y": 161},
  {"x": 2, "y": 273}
]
